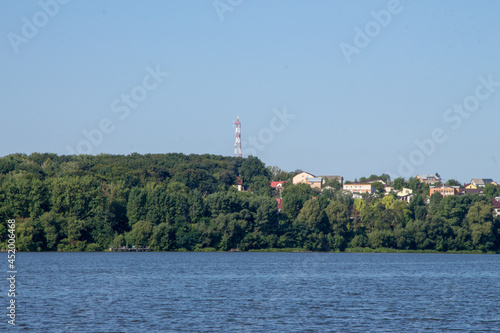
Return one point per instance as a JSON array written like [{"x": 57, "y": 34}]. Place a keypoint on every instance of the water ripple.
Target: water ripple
[{"x": 257, "y": 292}]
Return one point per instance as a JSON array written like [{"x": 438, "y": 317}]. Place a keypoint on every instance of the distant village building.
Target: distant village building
[
  {"x": 340, "y": 179},
  {"x": 388, "y": 189},
  {"x": 429, "y": 179},
  {"x": 327, "y": 188},
  {"x": 480, "y": 182},
  {"x": 405, "y": 194},
  {"x": 315, "y": 182},
  {"x": 359, "y": 188},
  {"x": 301, "y": 177},
  {"x": 278, "y": 186},
  {"x": 470, "y": 190},
  {"x": 445, "y": 190},
  {"x": 239, "y": 184},
  {"x": 377, "y": 181},
  {"x": 496, "y": 205}
]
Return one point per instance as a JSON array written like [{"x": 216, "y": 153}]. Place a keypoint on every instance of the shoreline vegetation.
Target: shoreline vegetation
[
  {"x": 290, "y": 250},
  {"x": 176, "y": 202}
]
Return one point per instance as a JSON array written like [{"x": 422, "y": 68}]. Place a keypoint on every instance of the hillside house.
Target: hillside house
[
  {"x": 429, "y": 179},
  {"x": 340, "y": 179},
  {"x": 480, "y": 182},
  {"x": 496, "y": 206},
  {"x": 239, "y": 184},
  {"x": 405, "y": 194},
  {"x": 278, "y": 186},
  {"x": 377, "y": 181},
  {"x": 301, "y": 177},
  {"x": 359, "y": 188},
  {"x": 445, "y": 190},
  {"x": 315, "y": 182},
  {"x": 388, "y": 189},
  {"x": 465, "y": 190}
]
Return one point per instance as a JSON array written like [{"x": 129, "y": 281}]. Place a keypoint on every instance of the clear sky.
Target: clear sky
[{"x": 330, "y": 87}]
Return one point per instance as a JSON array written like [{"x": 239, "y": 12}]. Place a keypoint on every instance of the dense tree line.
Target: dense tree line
[{"x": 174, "y": 201}]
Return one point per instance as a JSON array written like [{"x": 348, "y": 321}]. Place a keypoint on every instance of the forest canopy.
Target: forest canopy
[{"x": 172, "y": 202}]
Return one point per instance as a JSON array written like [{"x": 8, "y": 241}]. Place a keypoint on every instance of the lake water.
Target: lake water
[{"x": 255, "y": 292}]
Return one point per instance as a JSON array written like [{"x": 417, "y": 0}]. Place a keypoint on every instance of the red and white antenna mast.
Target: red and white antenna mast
[{"x": 237, "y": 143}]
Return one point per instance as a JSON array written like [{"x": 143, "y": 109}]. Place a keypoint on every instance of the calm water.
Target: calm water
[{"x": 255, "y": 292}]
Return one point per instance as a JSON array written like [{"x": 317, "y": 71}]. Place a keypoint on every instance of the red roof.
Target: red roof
[
  {"x": 239, "y": 181},
  {"x": 275, "y": 184}
]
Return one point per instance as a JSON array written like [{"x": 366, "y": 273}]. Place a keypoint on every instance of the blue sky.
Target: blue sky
[{"x": 352, "y": 113}]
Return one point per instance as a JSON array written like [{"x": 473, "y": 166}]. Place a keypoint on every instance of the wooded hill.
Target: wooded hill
[{"x": 188, "y": 202}]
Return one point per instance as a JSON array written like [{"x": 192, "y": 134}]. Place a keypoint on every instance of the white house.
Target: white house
[
  {"x": 359, "y": 188},
  {"x": 301, "y": 177}
]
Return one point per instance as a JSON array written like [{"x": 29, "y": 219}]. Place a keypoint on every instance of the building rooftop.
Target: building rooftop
[
  {"x": 481, "y": 181},
  {"x": 429, "y": 176},
  {"x": 315, "y": 180}
]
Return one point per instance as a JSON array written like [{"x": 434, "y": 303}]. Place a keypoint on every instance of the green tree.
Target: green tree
[
  {"x": 136, "y": 206},
  {"x": 197, "y": 206},
  {"x": 30, "y": 235},
  {"x": 417, "y": 208},
  {"x": 140, "y": 234},
  {"x": 453, "y": 182},
  {"x": 359, "y": 240},
  {"x": 77, "y": 236},
  {"x": 118, "y": 241},
  {"x": 77, "y": 196},
  {"x": 381, "y": 238},
  {"x": 418, "y": 231},
  {"x": 434, "y": 202},
  {"x": 491, "y": 191},
  {"x": 252, "y": 167},
  {"x": 197, "y": 179},
  {"x": 52, "y": 224},
  {"x": 379, "y": 188},
  {"x": 333, "y": 183},
  {"x": 117, "y": 197},
  {"x": 313, "y": 217},
  {"x": 265, "y": 214},
  {"x": 163, "y": 238},
  {"x": 480, "y": 219},
  {"x": 260, "y": 185},
  {"x": 338, "y": 216},
  {"x": 439, "y": 233},
  {"x": 294, "y": 197},
  {"x": 399, "y": 183},
  {"x": 223, "y": 203},
  {"x": 230, "y": 230},
  {"x": 187, "y": 236}
]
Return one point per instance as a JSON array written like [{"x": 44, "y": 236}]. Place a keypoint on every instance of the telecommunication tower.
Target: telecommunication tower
[{"x": 237, "y": 143}]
